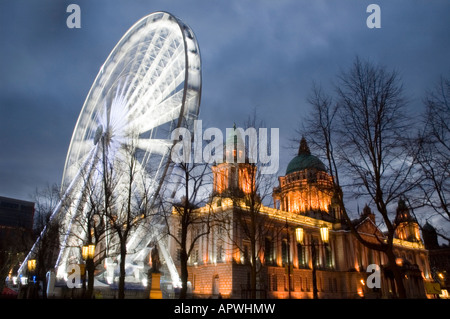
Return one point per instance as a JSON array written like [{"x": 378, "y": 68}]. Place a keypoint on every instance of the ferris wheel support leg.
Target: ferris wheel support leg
[
  {"x": 62, "y": 260},
  {"x": 170, "y": 264},
  {"x": 56, "y": 212}
]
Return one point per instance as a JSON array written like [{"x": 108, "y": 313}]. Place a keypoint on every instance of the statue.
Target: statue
[
  {"x": 155, "y": 275},
  {"x": 156, "y": 263}
]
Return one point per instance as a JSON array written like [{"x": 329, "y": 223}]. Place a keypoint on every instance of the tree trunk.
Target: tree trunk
[
  {"x": 90, "y": 271},
  {"x": 123, "y": 254},
  {"x": 184, "y": 274},
  {"x": 398, "y": 276},
  {"x": 253, "y": 277}
]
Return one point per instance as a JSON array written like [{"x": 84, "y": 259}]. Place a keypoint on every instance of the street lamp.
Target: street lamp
[
  {"x": 299, "y": 235},
  {"x": 324, "y": 234},
  {"x": 88, "y": 253},
  {"x": 288, "y": 259},
  {"x": 325, "y": 237},
  {"x": 31, "y": 265}
]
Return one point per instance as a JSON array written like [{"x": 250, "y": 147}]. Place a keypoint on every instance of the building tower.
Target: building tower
[
  {"x": 307, "y": 187},
  {"x": 407, "y": 227},
  {"x": 235, "y": 175}
]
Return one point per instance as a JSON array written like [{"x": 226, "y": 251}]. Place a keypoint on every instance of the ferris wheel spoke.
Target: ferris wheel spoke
[
  {"x": 170, "y": 78},
  {"x": 155, "y": 145},
  {"x": 160, "y": 119},
  {"x": 152, "y": 60},
  {"x": 83, "y": 147},
  {"x": 137, "y": 63},
  {"x": 74, "y": 168},
  {"x": 134, "y": 82},
  {"x": 157, "y": 70},
  {"x": 165, "y": 90},
  {"x": 166, "y": 111}
]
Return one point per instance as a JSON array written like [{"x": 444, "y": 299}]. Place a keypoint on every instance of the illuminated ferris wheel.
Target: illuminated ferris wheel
[{"x": 149, "y": 85}]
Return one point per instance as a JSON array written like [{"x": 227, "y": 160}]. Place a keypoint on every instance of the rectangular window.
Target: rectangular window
[
  {"x": 196, "y": 256},
  {"x": 284, "y": 252},
  {"x": 245, "y": 258},
  {"x": 220, "y": 253},
  {"x": 301, "y": 256},
  {"x": 268, "y": 251}
]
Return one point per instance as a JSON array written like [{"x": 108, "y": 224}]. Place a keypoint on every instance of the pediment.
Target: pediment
[{"x": 367, "y": 226}]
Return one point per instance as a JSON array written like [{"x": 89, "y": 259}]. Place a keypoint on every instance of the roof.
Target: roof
[
  {"x": 403, "y": 214},
  {"x": 304, "y": 160}
]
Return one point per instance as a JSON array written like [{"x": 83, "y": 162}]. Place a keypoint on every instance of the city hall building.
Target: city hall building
[{"x": 304, "y": 248}]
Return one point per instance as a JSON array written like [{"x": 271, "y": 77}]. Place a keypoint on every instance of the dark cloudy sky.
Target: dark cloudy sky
[{"x": 256, "y": 54}]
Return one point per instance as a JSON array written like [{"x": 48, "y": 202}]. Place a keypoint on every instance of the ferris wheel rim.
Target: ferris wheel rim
[
  {"x": 188, "y": 102},
  {"x": 182, "y": 27}
]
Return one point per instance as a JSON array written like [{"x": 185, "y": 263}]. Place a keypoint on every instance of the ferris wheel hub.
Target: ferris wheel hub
[{"x": 98, "y": 134}]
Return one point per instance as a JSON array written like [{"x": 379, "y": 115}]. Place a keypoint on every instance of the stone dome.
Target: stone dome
[{"x": 304, "y": 160}]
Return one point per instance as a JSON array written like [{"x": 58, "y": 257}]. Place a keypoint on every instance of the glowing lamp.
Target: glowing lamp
[
  {"x": 88, "y": 251},
  {"x": 85, "y": 252},
  {"x": 324, "y": 234},
  {"x": 91, "y": 251},
  {"x": 31, "y": 265},
  {"x": 299, "y": 235}
]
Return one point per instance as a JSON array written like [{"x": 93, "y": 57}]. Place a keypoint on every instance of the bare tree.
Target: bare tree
[
  {"x": 49, "y": 244},
  {"x": 362, "y": 133},
  {"x": 250, "y": 189},
  {"x": 126, "y": 201},
  {"x": 434, "y": 152},
  {"x": 15, "y": 242},
  {"x": 91, "y": 229},
  {"x": 185, "y": 222}
]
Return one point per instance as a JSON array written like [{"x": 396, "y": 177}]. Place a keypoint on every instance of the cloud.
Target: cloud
[{"x": 255, "y": 54}]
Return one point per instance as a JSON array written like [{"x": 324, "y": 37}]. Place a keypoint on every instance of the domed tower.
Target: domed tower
[
  {"x": 407, "y": 227},
  {"x": 235, "y": 175},
  {"x": 306, "y": 187}
]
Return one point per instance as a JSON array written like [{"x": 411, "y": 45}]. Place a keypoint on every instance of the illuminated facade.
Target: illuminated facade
[
  {"x": 304, "y": 248},
  {"x": 306, "y": 186}
]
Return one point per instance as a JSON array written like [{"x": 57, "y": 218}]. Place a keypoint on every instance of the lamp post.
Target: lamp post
[
  {"x": 88, "y": 253},
  {"x": 31, "y": 265},
  {"x": 288, "y": 259},
  {"x": 325, "y": 236}
]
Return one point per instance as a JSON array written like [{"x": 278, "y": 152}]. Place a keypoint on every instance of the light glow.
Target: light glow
[
  {"x": 85, "y": 252},
  {"x": 299, "y": 235},
  {"x": 32, "y": 265},
  {"x": 149, "y": 84},
  {"x": 324, "y": 234}
]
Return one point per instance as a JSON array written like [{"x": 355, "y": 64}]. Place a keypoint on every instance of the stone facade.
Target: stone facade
[{"x": 328, "y": 261}]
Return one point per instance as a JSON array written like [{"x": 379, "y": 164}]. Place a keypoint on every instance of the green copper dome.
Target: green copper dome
[{"x": 304, "y": 160}]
